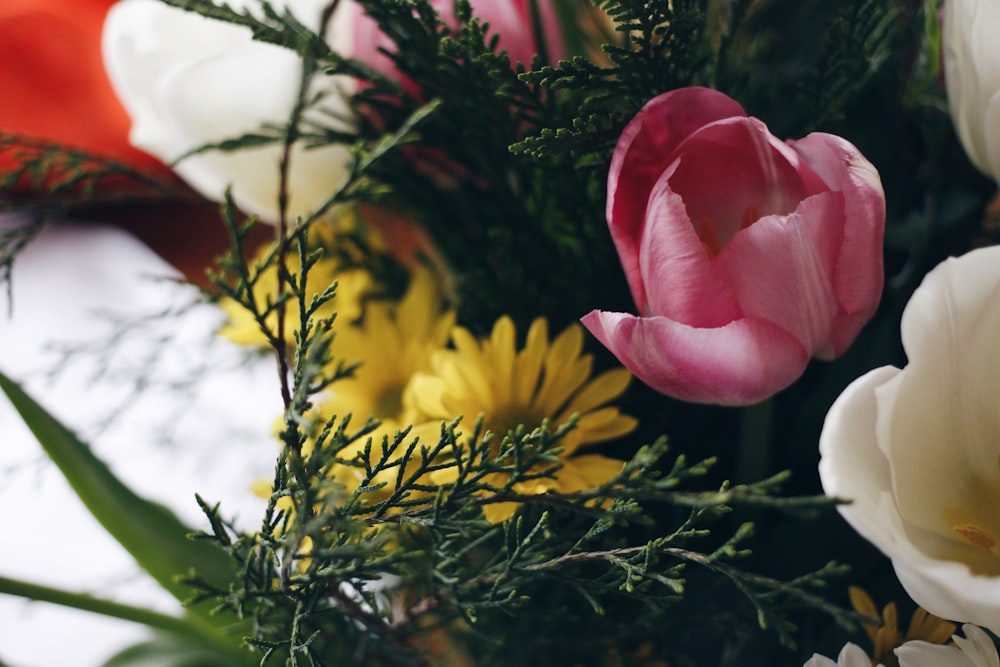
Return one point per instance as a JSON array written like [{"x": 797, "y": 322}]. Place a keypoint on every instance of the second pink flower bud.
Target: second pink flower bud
[{"x": 746, "y": 256}]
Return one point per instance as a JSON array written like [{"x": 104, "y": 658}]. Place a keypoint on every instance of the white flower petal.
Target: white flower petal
[
  {"x": 976, "y": 649},
  {"x": 850, "y": 656},
  {"x": 852, "y": 466},
  {"x": 943, "y": 444},
  {"x": 187, "y": 81},
  {"x": 925, "y": 654},
  {"x": 978, "y": 646},
  {"x": 917, "y": 450},
  {"x": 972, "y": 74}
]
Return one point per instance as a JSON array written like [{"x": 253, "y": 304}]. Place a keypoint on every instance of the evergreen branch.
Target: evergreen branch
[
  {"x": 12, "y": 241},
  {"x": 271, "y": 27},
  {"x": 43, "y": 176},
  {"x": 857, "y": 46}
]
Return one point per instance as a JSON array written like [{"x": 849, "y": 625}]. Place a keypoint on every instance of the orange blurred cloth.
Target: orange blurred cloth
[{"x": 53, "y": 86}]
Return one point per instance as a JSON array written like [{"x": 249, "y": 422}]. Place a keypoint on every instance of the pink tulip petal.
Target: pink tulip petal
[
  {"x": 673, "y": 260},
  {"x": 781, "y": 269},
  {"x": 640, "y": 157},
  {"x": 858, "y": 276},
  {"x": 730, "y": 165},
  {"x": 741, "y": 363}
]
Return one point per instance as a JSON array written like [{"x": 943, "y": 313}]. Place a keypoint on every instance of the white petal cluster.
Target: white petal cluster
[
  {"x": 972, "y": 75},
  {"x": 187, "y": 81},
  {"x": 850, "y": 656},
  {"x": 976, "y": 649},
  {"x": 917, "y": 450}
]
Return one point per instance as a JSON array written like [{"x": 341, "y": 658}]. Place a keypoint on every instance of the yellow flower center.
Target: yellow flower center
[
  {"x": 508, "y": 418},
  {"x": 389, "y": 402}
]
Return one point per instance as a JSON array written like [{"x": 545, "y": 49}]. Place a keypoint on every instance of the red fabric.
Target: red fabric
[{"x": 52, "y": 83}]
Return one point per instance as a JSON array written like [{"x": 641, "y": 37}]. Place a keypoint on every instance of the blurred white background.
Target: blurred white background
[{"x": 202, "y": 423}]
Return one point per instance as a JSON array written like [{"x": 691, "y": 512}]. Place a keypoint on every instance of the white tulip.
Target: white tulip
[
  {"x": 972, "y": 76},
  {"x": 976, "y": 649},
  {"x": 187, "y": 81},
  {"x": 916, "y": 450}
]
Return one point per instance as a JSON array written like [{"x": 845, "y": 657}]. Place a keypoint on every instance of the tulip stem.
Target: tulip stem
[{"x": 754, "y": 459}]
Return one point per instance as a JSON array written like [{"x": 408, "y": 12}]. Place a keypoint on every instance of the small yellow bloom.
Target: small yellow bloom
[
  {"x": 393, "y": 341},
  {"x": 885, "y": 636},
  {"x": 543, "y": 381}
]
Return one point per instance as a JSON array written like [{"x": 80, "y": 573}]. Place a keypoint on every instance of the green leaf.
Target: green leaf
[
  {"x": 190, "y": 632},
  {"x": 166, "y": 651},
  {"x": 154, "y": 536}
]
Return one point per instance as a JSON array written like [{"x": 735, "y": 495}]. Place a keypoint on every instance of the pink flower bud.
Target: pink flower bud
[
  {"x": 512, "y": 20},
  {"x": 746, "y": 256}
]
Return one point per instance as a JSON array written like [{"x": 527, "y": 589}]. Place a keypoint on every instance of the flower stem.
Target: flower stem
[{"x": 754, "y": 459}]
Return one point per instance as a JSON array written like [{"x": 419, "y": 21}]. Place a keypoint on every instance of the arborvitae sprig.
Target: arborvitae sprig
[
  {"x": 44, "y": 177},
  {"x": 456, "y": 568},
  {"x": 12, "y": 241},
  {"x": 856, "y": 46},
  {"x": 268, "y": 25},
  {"x": 665, "y": 47}
]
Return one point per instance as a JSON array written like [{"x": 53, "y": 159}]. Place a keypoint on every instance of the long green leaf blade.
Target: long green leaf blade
[{"x": 150, "y": 532}]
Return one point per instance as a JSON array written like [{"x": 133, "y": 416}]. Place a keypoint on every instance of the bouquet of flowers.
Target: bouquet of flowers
[{"x": 569, "y": 301}]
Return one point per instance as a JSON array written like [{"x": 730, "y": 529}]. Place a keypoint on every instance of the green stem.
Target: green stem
[
  {"x": 755, "y": 442},
  {"x": 181, "y": 627}
]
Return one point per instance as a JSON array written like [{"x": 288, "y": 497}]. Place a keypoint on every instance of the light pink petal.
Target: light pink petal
[
  {"x": 641, "y": 156},
  {"x": 741, "y": 363},
  {"x": 510, "y": 19},
  {"x": 781, "y": 269},
  {"x": 859, "y": 273},
  {"x": 684, "y": 287},
  {"x": 732, "y": 164}
]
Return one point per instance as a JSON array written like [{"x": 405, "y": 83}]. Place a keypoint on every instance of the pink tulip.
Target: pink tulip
[
  {"x": 510, "y": 19},
  {"x": 746, "y": 256}
]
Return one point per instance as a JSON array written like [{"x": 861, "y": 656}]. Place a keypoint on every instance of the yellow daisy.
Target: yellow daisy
[
  {"x": 509, "y": 388},
  {"x": 393, "y": 341},
  {"x": 885, "y": 636}
]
